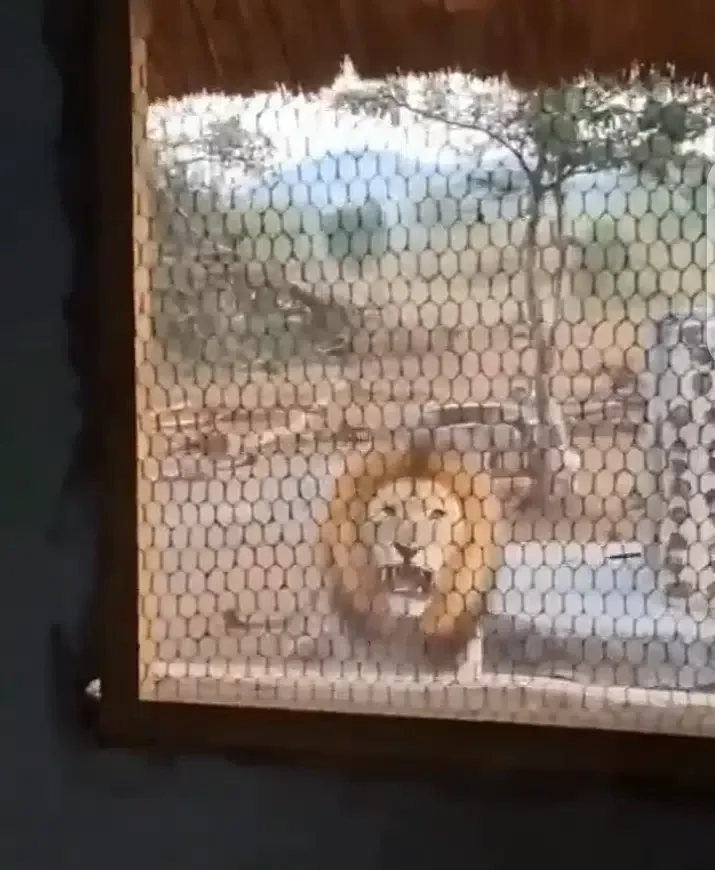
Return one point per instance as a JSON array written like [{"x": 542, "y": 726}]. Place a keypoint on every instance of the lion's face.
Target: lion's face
[
  {"x": 411, "y": 527},
  {"x": 410, "y": 552}
]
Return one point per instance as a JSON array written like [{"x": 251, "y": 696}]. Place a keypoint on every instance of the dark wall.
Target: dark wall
[{"x": 60, "y": 807}]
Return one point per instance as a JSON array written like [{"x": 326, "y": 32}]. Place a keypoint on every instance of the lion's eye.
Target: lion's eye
[
  {"x": 389, "y": 511},
  {"x": 437, "y": 514}
]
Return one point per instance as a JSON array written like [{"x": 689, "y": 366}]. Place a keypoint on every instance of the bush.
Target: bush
[{"x": 214, "y": 300}]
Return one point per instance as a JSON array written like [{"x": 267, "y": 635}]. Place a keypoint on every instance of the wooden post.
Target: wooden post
[{"x": 143, "y": 200}]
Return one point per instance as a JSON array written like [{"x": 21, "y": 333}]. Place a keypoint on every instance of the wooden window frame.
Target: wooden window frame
[{"x": 359, "y": 742}]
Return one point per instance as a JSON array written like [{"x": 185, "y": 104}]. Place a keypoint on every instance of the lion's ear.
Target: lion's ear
[
  {"x": 423, "y": 460},
  {"x": 419, "y": 461}
]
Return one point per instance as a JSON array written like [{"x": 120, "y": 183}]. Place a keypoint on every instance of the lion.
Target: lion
[{"x": 411, "y": 550}]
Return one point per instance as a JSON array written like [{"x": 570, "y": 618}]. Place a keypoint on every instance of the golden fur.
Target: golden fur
[{"x": 387, "y": 500}]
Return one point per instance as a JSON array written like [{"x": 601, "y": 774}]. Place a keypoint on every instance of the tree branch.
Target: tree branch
[{"x": 474, "y": 127}]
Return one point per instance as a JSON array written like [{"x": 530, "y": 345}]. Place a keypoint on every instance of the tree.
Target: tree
[
  {"x": 640, "y": 122},
  {"x": 215, "y": 305}
]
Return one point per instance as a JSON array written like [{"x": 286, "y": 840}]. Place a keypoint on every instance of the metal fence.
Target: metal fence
[{"x": 415, "y": 435}]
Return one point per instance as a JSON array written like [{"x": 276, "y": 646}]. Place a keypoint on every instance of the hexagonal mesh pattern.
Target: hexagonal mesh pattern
[{"x": 425, "y": 401}]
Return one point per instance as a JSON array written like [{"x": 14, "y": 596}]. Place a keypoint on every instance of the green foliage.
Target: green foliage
[
  {"x": 208, "y": 303},
  {"x": 379, "y": 100},
  {"x": 598, "y": 124},
  {"x": 640, "y": 121}
]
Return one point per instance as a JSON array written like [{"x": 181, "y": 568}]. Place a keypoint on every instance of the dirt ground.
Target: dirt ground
[
  {"x": 238, "y": 470},
  {"x": 235, "y": 476}
]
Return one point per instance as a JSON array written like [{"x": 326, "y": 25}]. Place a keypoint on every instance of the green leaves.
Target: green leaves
[
  {"x": 641, "y": 119},
  {"x": 230, "y": 143},
  {"x": 381, "y": 100},
  {"x": 599, "y": 124}
]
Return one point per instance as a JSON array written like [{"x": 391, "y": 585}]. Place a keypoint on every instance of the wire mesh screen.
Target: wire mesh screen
[{"x": 425, "y": 400}]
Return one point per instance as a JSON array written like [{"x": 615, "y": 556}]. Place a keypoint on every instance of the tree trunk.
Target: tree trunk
[{"x": 541, "y": 442}]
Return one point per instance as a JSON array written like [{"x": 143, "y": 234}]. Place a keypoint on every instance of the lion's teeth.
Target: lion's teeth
[{"x": 401, "y": 605}]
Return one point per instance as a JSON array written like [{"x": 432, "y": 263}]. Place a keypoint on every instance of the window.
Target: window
[{"x": 390, "y": 435}]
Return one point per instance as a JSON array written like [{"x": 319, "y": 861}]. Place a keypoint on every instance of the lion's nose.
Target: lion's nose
[{"x": 407, "y": 553}]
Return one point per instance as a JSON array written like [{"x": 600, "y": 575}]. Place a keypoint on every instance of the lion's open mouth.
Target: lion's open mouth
[{"x": 409, "y": 589}]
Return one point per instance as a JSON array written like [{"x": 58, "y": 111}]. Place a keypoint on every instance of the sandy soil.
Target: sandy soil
[{"x": 236, "y": 478}]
